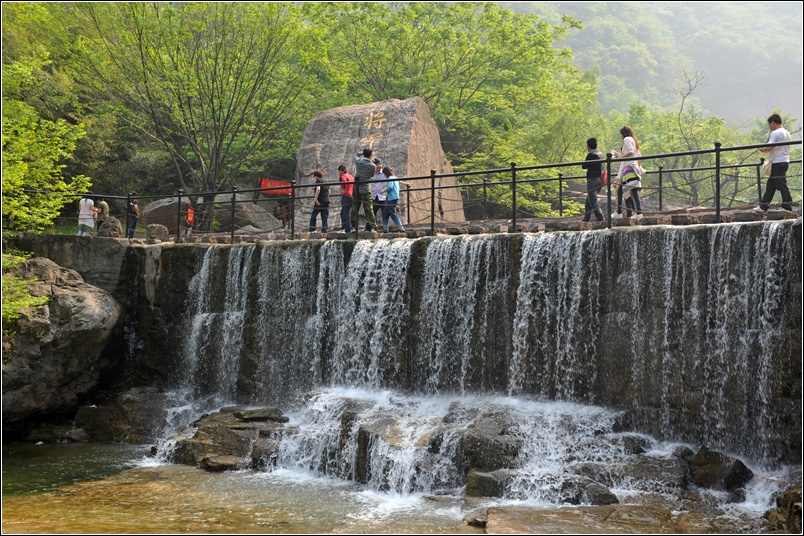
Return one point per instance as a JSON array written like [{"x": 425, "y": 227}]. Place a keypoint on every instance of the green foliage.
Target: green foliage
[
  {"x": 34, "y": 188},
  {"x": 16, "y": 297},
  {"x": 199, "y": 96},
  {"x": 215, "y": 84}
]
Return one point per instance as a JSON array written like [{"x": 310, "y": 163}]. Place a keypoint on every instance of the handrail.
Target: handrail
[{"x": 518, "y": 176}]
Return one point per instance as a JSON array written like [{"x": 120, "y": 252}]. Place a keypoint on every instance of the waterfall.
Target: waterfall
[
  {"x": 465, "y": 282},
  {"x": 217, "y": 312},
  {"x": 684, "y": 329},
  {"x": 368, "y": 317},
  {"x": 557, "y": 319}
]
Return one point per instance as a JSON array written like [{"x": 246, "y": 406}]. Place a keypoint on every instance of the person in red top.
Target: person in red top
[
  {"x": 189, "y": 217},
  {"x": 347, "y": 189}
]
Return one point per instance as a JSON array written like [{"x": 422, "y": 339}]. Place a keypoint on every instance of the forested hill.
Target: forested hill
[{"x": 750, "y": 53}]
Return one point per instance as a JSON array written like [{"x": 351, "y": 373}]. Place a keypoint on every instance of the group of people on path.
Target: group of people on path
[
  {"x": 628, "y": 182},
  {"x": 91, "y": 214},
  {"x": 377, "y": 192}
]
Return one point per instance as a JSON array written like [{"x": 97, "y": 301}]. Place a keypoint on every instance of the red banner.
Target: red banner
[{"x": 278, "y": 187}]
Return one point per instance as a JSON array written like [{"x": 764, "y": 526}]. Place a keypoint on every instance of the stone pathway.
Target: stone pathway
[{"x": 524, "y": 225}]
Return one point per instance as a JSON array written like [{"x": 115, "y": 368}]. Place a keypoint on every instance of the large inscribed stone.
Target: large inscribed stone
[{"x": 402, "y": 134}]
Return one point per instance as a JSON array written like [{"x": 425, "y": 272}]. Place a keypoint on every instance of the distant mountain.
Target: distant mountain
[{"x": 750, "y": 52}]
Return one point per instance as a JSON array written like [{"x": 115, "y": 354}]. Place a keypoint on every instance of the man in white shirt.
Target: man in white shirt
[{"x": 780, "y": 160}]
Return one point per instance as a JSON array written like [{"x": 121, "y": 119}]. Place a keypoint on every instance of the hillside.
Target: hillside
[{"x": 750, "y": 53}]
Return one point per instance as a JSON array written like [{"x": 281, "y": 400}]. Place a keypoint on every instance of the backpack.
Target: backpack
[{"x": 604, "y": 176}]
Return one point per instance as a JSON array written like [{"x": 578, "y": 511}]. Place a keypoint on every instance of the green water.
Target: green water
[
  {"x": 29, "y": 468},
  {"x": 117, "y": 489}
]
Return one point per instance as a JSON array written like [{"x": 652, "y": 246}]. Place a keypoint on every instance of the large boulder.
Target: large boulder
[
  {"x": 247, "y": 213},
  {"x": 715, "y": 470},
  {"x": 401, "y": 133},
  {"x": 54, "y": 358}
]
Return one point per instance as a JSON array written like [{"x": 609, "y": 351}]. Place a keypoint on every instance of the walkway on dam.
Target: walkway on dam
[{"x": 524, "y": 225}]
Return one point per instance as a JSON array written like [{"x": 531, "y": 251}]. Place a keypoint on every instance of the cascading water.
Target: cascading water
[
  {"x": 212, "y": 356},
  {"x": 678, "y": 329}
]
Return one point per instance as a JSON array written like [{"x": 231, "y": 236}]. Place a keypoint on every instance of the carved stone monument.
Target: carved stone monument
[{"x": 402, "y": 134}]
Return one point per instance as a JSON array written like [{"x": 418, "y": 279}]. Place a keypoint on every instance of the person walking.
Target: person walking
[
  {"x": 364, "y": 171},
  {"x": 377, "y": 186},
  {"x": 779, "y": 157},
  {"x": 347, "y": 188},
  {"x": 391, "y": 192},
  {"x": 101, "y": 212},
  {"x": 629, "y": 177},
  {"x": 189, "y": 218},
  {"x": 320, "y": 202},
  {"x": 86, "y": 215},
  {"x": 133, "y": 214},
  {"x": 594, "y": 169}
]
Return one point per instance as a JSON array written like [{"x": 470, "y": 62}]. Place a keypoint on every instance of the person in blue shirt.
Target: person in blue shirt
[{"x": 391, "y": 191}]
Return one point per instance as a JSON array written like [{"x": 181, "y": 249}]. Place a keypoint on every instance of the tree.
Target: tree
[
  {"x": 489, "y": 76},
  {"x": 216, "y": 84},
  {"x": 34, "y": 150}
]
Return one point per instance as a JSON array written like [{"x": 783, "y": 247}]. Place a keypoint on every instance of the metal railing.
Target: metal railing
[{"x": 513, "y": 177}]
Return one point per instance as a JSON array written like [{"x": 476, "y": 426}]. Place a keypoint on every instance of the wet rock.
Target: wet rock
[
  {"x": 581, "y": 490},
  {"x": 714, "y": 470},
  {"x": 787, "y": 515},
  {"x": 261, "y": 414},
  {"x": 487, "y": 484},
  {"x": 222, "y": 463},
  {"x": 134, "y": 416},
  {"x": 265, "y": 452},
  {"x": 632, "y": 443},
  {"x": 488, "y": 446},
  {"x": 646, "y": 473}
]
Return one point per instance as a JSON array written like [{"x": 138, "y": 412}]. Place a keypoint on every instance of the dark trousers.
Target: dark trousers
[
  {"x": 324, "y": 211},
  {"x": 777, "y": 182},
  {"x": 592, "y": 189},
  {"x": 632, "y": 202},
  {"x": 346, "y": 209},
  {"x": 132, "y": 225}
]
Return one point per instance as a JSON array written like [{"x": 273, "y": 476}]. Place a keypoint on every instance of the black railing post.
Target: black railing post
[
  {"x": 292, "y": 214},
  {"x": 513, "y": 197},
  {"x": 717, "y": 181},
  {"x": 432, "y": 202},
  {"x": 178, "y": 218},
  {"x": 608, "y": 190},
  {"x": 128, "y": 218},
  {"x": 485, "y": 199},
  {"x": 661, "y": 187},
  {"x": 759, "y": 179},
  {"x": 234, "y": 201},
  {"x": 407, "y": 205},
  {"x": 560, "y": 195}
]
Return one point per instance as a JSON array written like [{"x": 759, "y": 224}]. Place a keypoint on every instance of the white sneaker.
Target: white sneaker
[
  {"x": 636, "y": 217},
  {"x": 759, "y": 209},
  {"x": 616, "y": 215}
]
